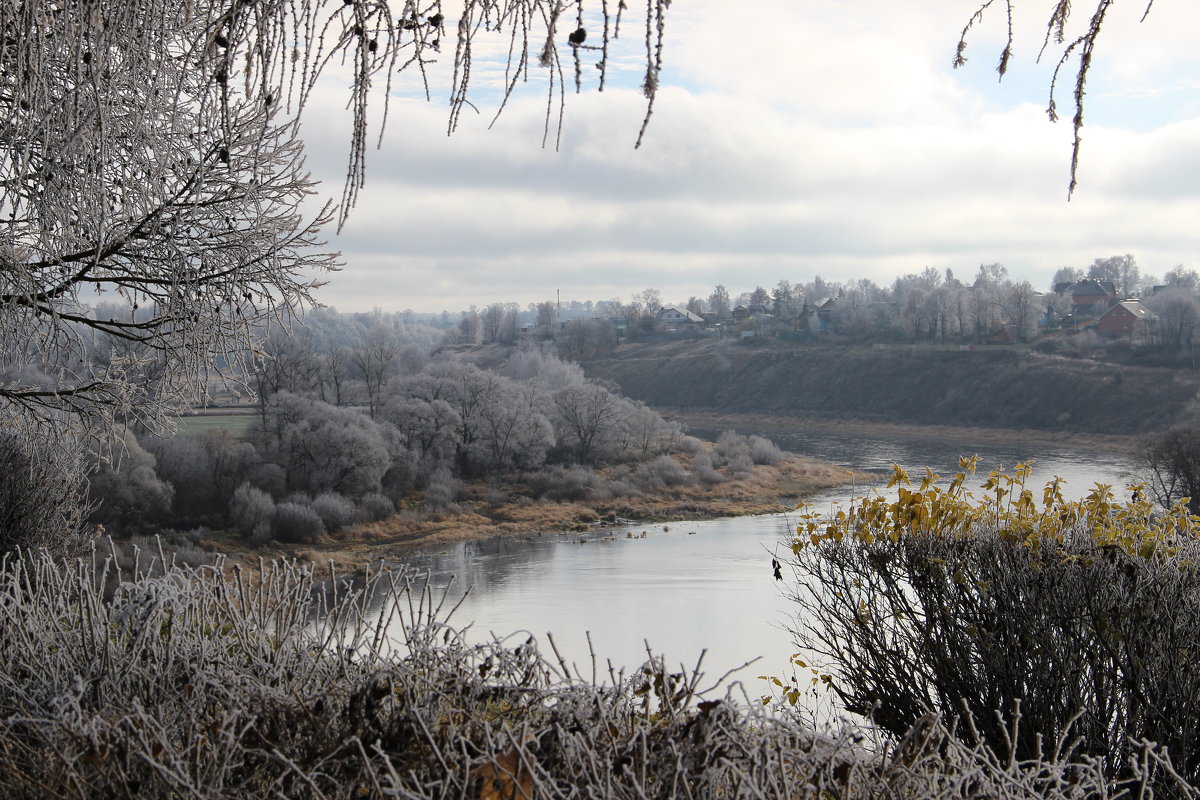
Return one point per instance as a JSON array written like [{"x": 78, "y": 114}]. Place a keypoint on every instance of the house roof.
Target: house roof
[
  {"x": 688, "y": 315},
  {"x": 1134, "y": 307},
  {"x": 1091, "y": 286}
]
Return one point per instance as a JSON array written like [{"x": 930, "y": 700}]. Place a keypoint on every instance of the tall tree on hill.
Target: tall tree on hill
[
  {"x": 719, "y": 302},
  {"x": 1123, "y": 271}
]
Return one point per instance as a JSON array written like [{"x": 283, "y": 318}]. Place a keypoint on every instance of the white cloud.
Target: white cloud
[{"x": 823, "y": 137}]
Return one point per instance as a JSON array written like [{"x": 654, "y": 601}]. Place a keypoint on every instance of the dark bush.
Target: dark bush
[{"x": 296, "y": 524}]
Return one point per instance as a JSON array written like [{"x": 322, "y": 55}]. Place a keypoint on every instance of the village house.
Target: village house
[
  {"x": 1091, "y": 297},
  {"x": 1126, "y": 318},
  {"x": 675, "y": 316}
]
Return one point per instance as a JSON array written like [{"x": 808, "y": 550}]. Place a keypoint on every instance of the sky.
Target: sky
[{"x": 789, "y": 140}]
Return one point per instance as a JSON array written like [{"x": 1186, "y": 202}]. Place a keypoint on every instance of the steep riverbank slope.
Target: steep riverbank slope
[{"x": 990, "y": 389}]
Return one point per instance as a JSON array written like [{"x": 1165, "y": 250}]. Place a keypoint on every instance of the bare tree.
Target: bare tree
[
  {"x": 1172, "y": 461},
  {"x": 1017, "y": 304},
  {"x": 587, "y": 417},
  {"x": 719, "y": 302},
  {"x": 373, "y": 359},
  {"x": 1123, "y": 271},
  {"x": 1178, "y": 314}
]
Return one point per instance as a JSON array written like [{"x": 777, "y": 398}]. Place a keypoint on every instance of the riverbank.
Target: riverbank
[
  {"x": 480, "y": 513},
  {"x": 1012, "y": 390},
  {"x": 766, "y": 424}
]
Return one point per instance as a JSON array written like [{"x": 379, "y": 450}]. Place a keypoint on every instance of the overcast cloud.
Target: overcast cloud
[{"x": 789, "y": 140}]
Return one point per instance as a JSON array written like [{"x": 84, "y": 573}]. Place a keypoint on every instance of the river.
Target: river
[{"x": 692, "y": 586}]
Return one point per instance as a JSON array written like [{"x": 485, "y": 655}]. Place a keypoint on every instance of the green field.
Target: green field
[{"x": 238, "y": 424}]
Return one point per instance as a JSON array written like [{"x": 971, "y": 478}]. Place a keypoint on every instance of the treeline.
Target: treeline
[
  {"x": 935, "y": 306},
  {"x": 352, "y": 428}
]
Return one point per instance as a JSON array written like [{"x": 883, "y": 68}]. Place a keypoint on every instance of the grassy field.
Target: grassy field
[{"x": 236, "y": 423}]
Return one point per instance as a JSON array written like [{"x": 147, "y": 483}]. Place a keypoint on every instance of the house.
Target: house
[
  {"x": 675, "y": 316},
  {"x": 1091, "y": 297},
  {"x": 1126, "y": 318},
  {"x": 826, "y": 316}
]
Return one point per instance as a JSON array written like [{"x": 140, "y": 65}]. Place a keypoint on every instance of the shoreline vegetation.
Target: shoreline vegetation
[
  {"x": 480, "y": 514},
  {"x": 489, "y": 509}
]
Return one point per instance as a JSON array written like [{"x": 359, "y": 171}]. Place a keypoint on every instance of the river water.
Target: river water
[{"x": 687, "y": 587}]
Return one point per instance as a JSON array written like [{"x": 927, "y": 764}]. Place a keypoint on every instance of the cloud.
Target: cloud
[{"x": 805, "y": 139}]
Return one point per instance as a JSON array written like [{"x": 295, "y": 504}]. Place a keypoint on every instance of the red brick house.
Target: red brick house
[
  {"x": 1126, "y": 318},
  {"x": 1090, "y": 297}
]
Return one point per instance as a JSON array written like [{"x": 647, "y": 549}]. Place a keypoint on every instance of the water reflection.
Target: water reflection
[{"x": 690, "y": 586}]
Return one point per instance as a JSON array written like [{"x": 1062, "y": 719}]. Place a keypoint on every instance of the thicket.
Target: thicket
[
  {"x": 309, "y": 468},
  {"x": 1033, "y": 625},
  {"x": 162, "y": 681}
]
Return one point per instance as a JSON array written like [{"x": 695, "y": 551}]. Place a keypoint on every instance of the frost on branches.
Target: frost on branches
[{"x": 152, "y": 187}]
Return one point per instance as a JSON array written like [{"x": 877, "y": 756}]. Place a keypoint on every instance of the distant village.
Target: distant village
[
  {"x": 1110, "y": 305},
  {"x": 1088, "y": 304}
]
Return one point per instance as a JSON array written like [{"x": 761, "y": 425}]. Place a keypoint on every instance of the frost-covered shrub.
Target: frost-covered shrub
[
  {"x": 741, "y": 465},
  {"x": 42, "y": 488},
  {"x": 127, "y": 490},
  {"x": 374, "y": 507},
  {"x": 660, "y": 473},
  {"x": 703, "y": 471},
  {"x": 269, "y": 477},
  {"x": 296, "y": 524},
  {"x": 495, "y": 496},
  {"x": 442, "y": 490},
  {"x": 251, "y": 511},
  {"x": 688, "y": 445},
  {"x": 565, "y": 484},
  {"x": 730, "y": 445},
  {"x": 335, "y": 511},
  {"x": 764, "y": 451}
]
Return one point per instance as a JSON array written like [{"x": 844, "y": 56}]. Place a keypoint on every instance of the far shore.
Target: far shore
[{"x": 766, "y": 424}]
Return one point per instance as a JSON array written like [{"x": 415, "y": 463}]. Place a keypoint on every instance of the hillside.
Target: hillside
[{"x": 991, "y": 389}]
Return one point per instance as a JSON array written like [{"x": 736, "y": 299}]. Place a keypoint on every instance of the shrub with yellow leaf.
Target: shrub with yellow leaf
[{"x": 1078, "y": 618}]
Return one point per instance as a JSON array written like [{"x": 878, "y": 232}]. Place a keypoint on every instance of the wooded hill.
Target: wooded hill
[{"x": 1018, "y": 389}]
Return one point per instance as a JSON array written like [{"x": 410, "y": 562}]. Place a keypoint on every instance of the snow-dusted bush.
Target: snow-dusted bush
[
  {"x": 442, "y": 490},
  {"x": 703, "y": 471},
  {"x": 730, "y": 444},
  {"x": 251, "y": 511},
  {"x": 567, "y": 484},
  {"x": 374, "y": 507},
  {"x": 296, "y": 523},
  {"x": 764, "y": 451},
  {"x": 335, "y": 511},
  {"x": 660, "y": 473}
]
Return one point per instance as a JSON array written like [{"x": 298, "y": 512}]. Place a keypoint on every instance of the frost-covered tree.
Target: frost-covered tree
[
  {"x": 323, "y": 447},
  {"x": 149, "y": 155}
]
